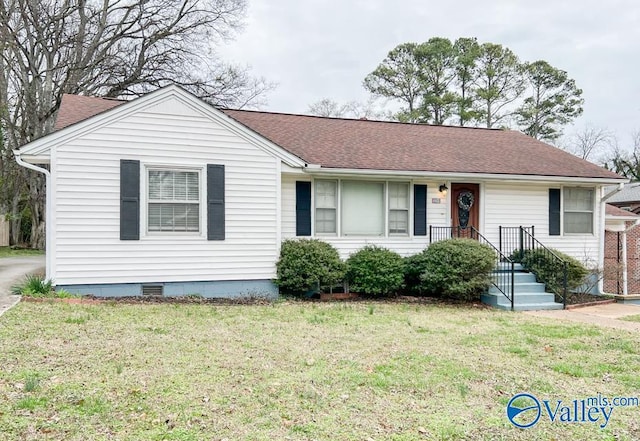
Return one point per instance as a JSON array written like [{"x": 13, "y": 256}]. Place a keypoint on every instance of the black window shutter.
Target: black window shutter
[
  {"x": 129, "y": 199},
  {"x": 419, "y": 210},
  {"x": 554, "y": 212},
  {"x": 215, "y": 202},
  {"x": 303, "y": 208}
]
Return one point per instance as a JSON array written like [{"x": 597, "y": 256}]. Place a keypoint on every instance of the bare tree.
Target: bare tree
[
  {"x": 114, "y": 48},
  {"x": 626, "y": 162},
  {"x": 590, "y": 142},
  {"x": 352, "y": 109}
]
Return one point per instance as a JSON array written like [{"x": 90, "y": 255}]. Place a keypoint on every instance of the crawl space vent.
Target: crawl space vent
[{"x": 152, "y": 290}]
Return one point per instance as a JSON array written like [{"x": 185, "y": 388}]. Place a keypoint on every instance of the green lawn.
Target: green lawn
[
  {"x": 9, "y": 252},
  {"x": 301, "y": 371}
]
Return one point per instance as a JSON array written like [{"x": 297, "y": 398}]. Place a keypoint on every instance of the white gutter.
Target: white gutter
[
  {"x": 471, "y": 177},
  {"x": 48, "y": 215}
]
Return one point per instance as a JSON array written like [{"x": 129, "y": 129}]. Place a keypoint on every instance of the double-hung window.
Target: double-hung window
[
  {"x": 326, "y": 207},
  {"x": 398, "y": 208},
  {"x": 173, "y": 200},
  {"x": 578, "y": 210}
]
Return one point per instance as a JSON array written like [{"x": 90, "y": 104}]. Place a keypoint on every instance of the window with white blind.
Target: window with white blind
[
  {"x": 398, "y": 208},
  {"x": 326, "y": 207},
  {"x": 173, "y": 201},
  {"x": 578, "y": 210},
  {"x": 363, "y": 208}
]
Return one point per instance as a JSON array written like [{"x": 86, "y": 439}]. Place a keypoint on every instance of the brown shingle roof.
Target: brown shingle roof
[
  {"x": 76, "y": 108},
  {"x": 381, "y": 145},
  {"x": 363, "y": 144},
  {"x": 612, "y": 210}
]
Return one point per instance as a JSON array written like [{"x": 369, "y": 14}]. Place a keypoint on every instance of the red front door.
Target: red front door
[{"x": 465, "y": 200}]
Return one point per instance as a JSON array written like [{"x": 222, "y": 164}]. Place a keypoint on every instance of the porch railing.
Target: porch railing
[
  {"x": 442, "y": 233},
  {"x": 539, "y": 260},
  {"x": 504, "y": 275},
  {"x": 513, "y": 242}
]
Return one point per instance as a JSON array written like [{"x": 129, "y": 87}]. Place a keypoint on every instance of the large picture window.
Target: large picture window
[
  {"x": 578, "y": 210},
  {"x": 173, "y": 201},
  {"x": 363, "y": 208}
]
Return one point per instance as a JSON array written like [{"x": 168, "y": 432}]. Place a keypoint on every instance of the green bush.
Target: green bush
[
  {"x": 375, "y": 270},
  {"x": 457, "y": 268},
  {"x": 549, "y": 272},
  {"x": 33, "y": 286},
  {"x": 414, "y": 267},
  {"x": 307, "y": 264}
]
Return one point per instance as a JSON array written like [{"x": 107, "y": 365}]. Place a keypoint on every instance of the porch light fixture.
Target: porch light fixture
[{"x": 443, "y": 189}]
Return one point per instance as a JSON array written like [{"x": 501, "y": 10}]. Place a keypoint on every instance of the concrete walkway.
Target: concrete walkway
[
  {"x": 12, "y": 271},
  {"x": 608, "y": 315}
]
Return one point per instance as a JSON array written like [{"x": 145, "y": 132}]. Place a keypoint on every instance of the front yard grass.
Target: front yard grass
[
  {"x": 301, "y": 371},
  {"x": 17, "y": 252}
]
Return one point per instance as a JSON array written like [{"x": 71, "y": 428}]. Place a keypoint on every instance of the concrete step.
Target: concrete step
[
  {"x": 522, "y": 301},
  {"x": 527, "y": 297},
  {"x": 531, "y": 306},
  {"x": 518, "y": 277},
  {"x": 520, "y": 288},
  {"x": 505, "y": 266}
]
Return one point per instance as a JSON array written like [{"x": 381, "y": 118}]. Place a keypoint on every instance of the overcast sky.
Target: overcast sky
[{"x": 316, "y": 49}]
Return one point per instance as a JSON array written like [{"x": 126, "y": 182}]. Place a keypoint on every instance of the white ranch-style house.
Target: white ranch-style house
[{"x": 167, "y": 194}]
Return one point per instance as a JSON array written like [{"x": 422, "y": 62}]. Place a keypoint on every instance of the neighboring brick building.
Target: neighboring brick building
[{"x": 622, "y": 240}]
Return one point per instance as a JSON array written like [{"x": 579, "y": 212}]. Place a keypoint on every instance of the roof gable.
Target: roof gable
[
  {"x": 76, "y": 108},
  {"x": 75, "y": 120}
]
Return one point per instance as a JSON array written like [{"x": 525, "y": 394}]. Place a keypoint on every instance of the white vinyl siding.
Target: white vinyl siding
[
  {"x": 577, "y": 210},
  {"x": 512, "y": 205},
  {"x": 169, "y": 135},
  {"x": 173, "y": 201}
]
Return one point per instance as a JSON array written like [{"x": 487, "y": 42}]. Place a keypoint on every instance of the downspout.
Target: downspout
[
  {"x": 48, "y": 214},
  {"x": 603, "y": 204},
  {"x": 601, "y": 247},
  {"x": 625, "y": 279}
]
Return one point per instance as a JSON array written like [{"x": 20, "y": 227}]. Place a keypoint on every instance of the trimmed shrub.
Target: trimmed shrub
[
  {"x": 414, "y": 267},
  {"x": 375, "y": 270},
  {"x": 457, "y": 268},
  {"x": 547, "y": 270},
  {"x": 307, "y": 264}
]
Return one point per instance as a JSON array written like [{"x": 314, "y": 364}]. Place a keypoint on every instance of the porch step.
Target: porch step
[
  {"x": 529, "y": 294},
  {"x": 521, "y": 287},
  {"x": 505, "y": 266},
  {"x": 523, "y": 301}
]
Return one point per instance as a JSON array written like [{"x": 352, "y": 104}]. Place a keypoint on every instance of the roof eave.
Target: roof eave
[{"x": 315, "y": 170}]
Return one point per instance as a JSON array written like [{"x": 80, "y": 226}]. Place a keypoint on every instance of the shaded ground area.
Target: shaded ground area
[{"x": 12, "y": 270}]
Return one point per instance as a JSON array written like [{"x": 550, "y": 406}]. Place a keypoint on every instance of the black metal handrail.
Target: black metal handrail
[
  {"x": 442, "y": 233},
  {"x": 512, "y": 242},
  {"x": 504, "y": 275},
  {"x": 559, "y": 287}
]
